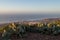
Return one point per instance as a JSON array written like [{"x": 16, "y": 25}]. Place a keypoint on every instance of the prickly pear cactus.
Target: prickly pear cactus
[
  {"x": 21, "y": 30},
  {"x": 7, "y": 33}
]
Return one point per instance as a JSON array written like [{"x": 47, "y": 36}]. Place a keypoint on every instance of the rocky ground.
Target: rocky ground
[{"x": 36, "y": 36}]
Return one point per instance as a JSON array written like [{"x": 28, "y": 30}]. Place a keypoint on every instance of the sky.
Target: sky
[{"x": 18, "y": 6}]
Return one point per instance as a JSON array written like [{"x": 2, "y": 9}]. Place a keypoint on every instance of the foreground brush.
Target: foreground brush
[
  {"x": 52, "y": 28},
  {"x": 11, "y": 30}
]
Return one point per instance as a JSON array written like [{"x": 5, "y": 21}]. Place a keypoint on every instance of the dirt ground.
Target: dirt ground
[{"x": 37, "y": 36}]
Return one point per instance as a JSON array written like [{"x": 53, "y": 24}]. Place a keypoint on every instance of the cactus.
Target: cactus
[
  {"x": 21, "y": 29},
  {"x": 7, "y": 32}
]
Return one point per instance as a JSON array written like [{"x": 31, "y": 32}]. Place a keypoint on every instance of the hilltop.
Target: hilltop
[{"x": 32, "y": 29}]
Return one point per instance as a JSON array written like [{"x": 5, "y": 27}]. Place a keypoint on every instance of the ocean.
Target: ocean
[{"x": 25, "y": 17}]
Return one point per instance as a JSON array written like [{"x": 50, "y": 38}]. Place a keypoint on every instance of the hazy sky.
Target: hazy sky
[{"x": 7, "y": 6}]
